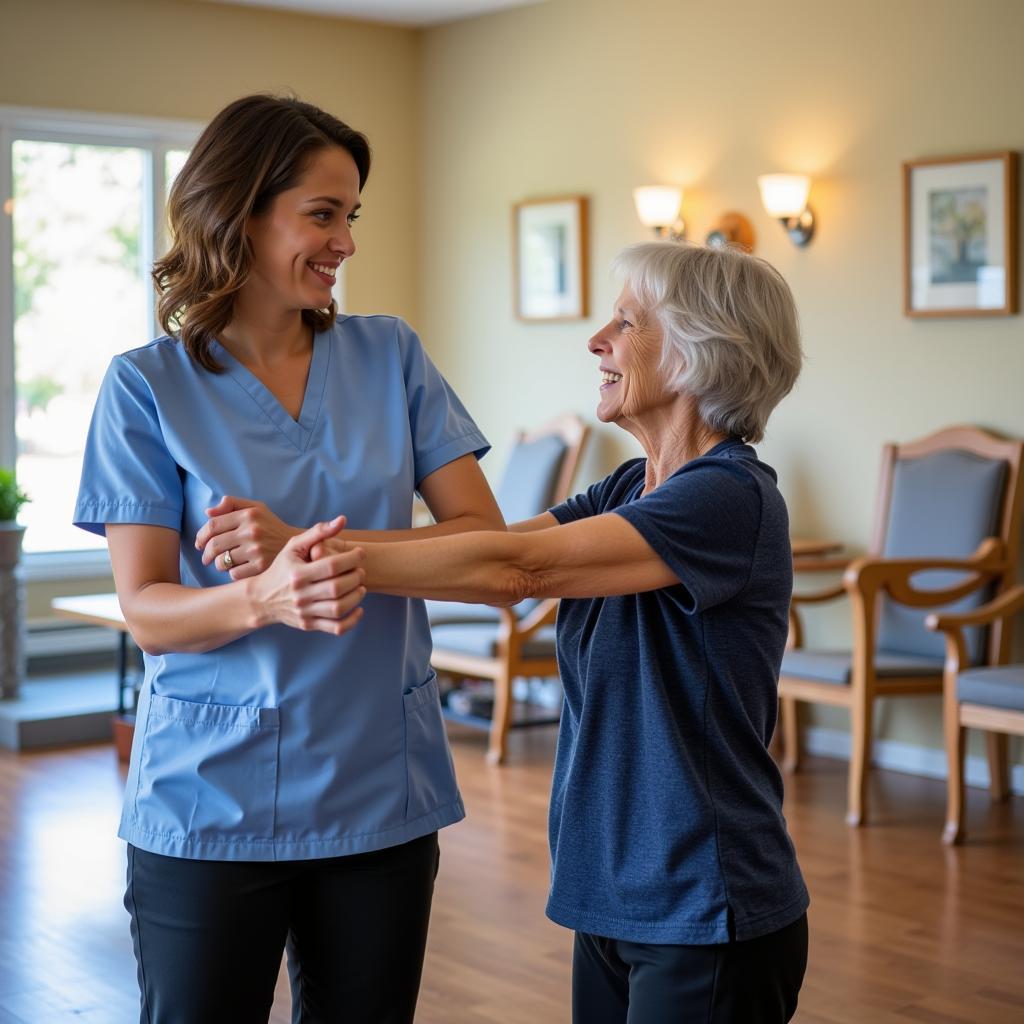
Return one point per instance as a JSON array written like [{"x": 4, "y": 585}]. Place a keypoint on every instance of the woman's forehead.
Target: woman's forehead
[
  {"x": 331, "y": 171},
  {"x": 627, "y": 302}
]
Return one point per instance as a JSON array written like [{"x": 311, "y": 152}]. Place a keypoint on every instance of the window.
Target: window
[{"x": 83, "y": 205}]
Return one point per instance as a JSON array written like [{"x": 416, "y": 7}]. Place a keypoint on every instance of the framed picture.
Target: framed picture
[
  {"x": 960, "y": 235},
  {"x": 550, "y": 258}
]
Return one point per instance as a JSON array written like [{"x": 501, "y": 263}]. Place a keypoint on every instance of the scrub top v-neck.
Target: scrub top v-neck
[
  {"x": 282, "y": 745},
  {"x": 298, "y": 432}
]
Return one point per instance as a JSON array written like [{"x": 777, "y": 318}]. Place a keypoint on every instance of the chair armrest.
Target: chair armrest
[
  {"x": 817, "y": 596},
  {"x": 1002, "y": 607},
  {"x": 866, "y": 576},
  {"x": 808, "y": 563},
  {"x": 811, "y": 564}
]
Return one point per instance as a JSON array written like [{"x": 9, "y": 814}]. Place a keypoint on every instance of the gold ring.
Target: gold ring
[{"x": 229, "y": 562}]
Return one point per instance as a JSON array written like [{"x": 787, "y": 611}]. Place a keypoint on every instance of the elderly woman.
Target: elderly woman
[{"x": 670, "y": 856}]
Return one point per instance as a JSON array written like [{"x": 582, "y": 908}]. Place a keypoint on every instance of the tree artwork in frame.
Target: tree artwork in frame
[
  {"x": 960, "y": 235},
  {"x": 550, "y": 258}
]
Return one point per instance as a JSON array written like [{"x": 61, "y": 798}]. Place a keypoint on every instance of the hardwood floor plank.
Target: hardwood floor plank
[{"x": 903, "y": 930}]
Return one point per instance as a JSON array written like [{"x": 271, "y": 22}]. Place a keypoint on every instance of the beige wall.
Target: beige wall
[
  {"x": 580, "y": 96},
  {"x": 180, "y": 59},
  {"x": 594, "y": 96}
]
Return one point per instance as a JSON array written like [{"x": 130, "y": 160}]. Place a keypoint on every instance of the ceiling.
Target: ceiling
[{"x": 416, "y": 13}]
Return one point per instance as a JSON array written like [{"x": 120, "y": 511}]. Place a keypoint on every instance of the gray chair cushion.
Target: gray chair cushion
[
  {"x": 528, "y": 483},
  {"x": 1001, "y": 687},
  {"x": 439, "y": 612},
  {"x": 481, "y": 639},
  {"x": 943, "y": 505},
  {"x": 837, "y": 666}
]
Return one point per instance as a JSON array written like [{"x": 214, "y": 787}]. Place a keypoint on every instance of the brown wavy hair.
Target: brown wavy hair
[{"x": 251, "y": 151}]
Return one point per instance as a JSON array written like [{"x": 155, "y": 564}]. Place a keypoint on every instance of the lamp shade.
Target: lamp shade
[
  {"x": 657, "y": 205},
  {"x": 784, "y": 195}
]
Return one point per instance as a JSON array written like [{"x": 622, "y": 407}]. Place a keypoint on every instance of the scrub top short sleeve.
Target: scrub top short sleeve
[
  {"x": 144, "y": 487},
  {"x": 438, "y": 421}
]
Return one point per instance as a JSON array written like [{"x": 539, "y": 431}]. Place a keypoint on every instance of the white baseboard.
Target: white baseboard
[{"x": 905, "y": 757}]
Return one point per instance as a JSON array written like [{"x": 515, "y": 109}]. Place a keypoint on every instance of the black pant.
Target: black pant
[
  {"x": 752, "y": 982},
  {"x": 209, "y": 935}
]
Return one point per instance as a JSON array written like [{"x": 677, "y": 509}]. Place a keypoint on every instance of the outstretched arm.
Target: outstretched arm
[{"x": 595, "y": 557}]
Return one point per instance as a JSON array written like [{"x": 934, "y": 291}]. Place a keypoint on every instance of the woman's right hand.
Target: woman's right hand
[
  {"x": 321, "y": 594},
  {"x": 248, "y": 530}
]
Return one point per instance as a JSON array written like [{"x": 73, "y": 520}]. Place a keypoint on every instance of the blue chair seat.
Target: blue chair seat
[
  {"x": 837, "y": 666},
  {"x": 481, "y": 639},
  {"x": 1001, "y": 687}
]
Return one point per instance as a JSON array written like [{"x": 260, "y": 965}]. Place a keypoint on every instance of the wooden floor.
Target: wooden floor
[{"x": 902, "y": 929}]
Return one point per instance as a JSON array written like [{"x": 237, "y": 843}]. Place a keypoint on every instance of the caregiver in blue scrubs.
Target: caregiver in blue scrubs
[{"x": 290, "y": 770}]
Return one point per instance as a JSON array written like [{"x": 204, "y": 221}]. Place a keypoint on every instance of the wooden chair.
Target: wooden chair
[
  {"x": 948, "y": 505},
  {"x": 505, "y": 644},
  {"x": 988, "y": 698}
]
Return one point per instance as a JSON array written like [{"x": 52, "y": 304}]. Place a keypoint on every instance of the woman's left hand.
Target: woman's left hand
[{"x": 244, "y": 531}]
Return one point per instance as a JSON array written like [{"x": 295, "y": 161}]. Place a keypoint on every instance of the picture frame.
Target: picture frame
[
  {"x": 549, "y": 258},
  {"x": 960, "y": 235}
]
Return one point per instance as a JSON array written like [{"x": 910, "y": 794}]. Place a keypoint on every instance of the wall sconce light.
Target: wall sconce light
[
  {"x": 657, "y": 206},
  {"x": 785, "y": 196}
]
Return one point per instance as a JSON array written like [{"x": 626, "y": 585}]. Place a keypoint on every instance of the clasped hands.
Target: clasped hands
[{"x": 308, "y": 579}]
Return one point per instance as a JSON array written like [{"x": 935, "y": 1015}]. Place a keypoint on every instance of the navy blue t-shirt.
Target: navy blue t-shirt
[{"x": 666, "y": 818}]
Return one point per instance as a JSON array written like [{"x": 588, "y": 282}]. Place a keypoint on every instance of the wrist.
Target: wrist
[{"x": 256, "y": 613}]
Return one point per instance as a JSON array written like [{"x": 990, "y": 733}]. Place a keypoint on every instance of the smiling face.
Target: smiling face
[
  {"x": 300, "y": 241},
  {"x": 629, "y": 351}
]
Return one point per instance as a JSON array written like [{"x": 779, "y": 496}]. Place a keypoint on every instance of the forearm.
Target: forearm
[
  {"x": 599, "y": 556},
  {"x": 485, "y": 567},
  {"x": 167, "y": 618},
  {"x": 468, "y": 523},
  {"x": 296, "y": 590}
]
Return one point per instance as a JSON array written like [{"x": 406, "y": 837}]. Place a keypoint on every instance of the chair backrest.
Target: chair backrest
[
  {"x": 940, "y": 497},
  {"x": 540, "y": 470}
]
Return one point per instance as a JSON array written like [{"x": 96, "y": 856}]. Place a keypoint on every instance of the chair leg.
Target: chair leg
[
  {"x": 790, "y": 735},
  {"x": 998, "y": 766},
  {"x": 501, "y": 718},
  {"x": 956, "y": 735},
  {"x": 861, "y": 723}
]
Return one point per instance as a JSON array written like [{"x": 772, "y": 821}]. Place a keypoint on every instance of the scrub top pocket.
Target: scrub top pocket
[
  {"x": 208, "y": 771},
  {"x": 429, "y": 769}
]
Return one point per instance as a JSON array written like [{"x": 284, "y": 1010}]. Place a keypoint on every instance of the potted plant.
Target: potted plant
[{"x": 12, "y": 590}]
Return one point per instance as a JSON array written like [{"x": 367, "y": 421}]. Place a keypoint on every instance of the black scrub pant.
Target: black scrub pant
[
  {"x": 209, "y": 935},
  {"x": 751, "y": 982}
]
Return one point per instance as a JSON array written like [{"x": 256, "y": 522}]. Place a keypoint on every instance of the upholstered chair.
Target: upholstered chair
[
  {"x": 990, "y": 698},
  {"x": 946, "y": 535}
]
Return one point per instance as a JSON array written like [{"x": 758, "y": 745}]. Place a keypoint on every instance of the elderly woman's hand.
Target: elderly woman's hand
[{"x": 242, "y": 537}]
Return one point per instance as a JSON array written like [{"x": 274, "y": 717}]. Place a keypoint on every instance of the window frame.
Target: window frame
[{"x": 155, "y": 137}]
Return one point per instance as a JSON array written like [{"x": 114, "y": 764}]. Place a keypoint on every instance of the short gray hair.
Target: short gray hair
[{"x": 730, "y": 327}]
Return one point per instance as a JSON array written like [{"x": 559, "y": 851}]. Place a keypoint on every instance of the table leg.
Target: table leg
[{"x": 122, "y": 671}]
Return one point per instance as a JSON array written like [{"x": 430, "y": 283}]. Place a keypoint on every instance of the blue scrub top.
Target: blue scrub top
[{"x": 283, "y": 745}]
